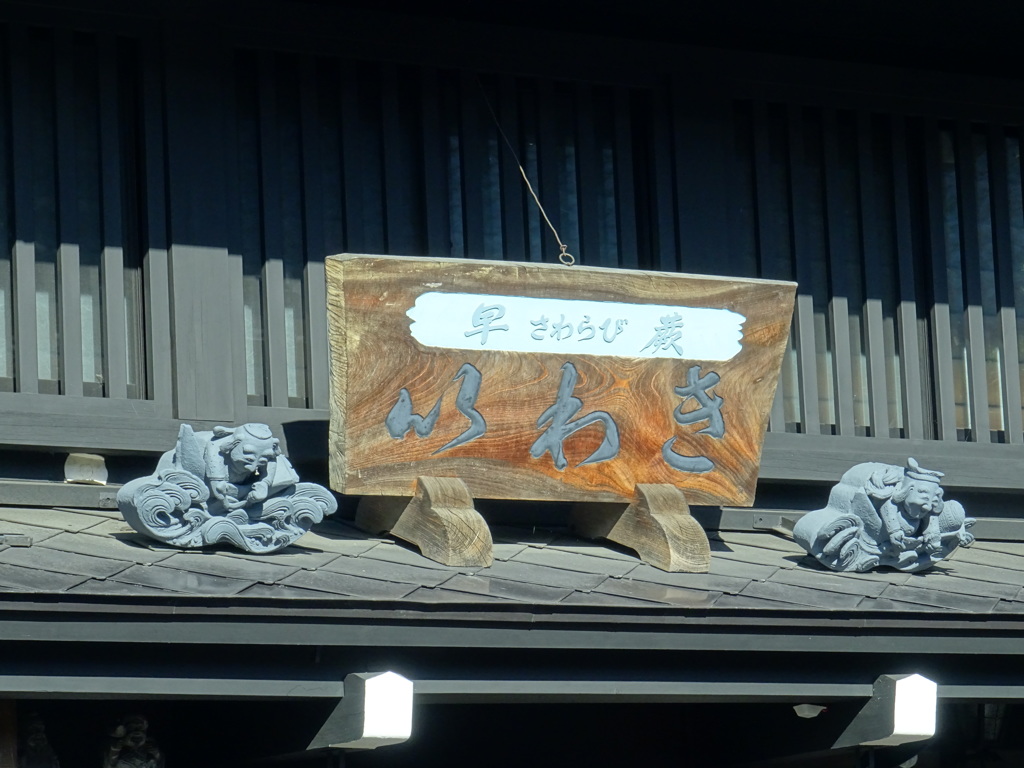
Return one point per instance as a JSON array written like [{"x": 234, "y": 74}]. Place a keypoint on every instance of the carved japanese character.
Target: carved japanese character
[
  {"x": 710, "y": 410},
  {"x": 483, "y": 319},
  {"x": 667, "y": 335},
  {"x": 611, "y": 331},
  {"x": 541, "y": 326},
  {"x": 559, "y": 416},
  {"x": 401, "y": 417},
  {"x": 465, "y": 401},
  {"x": 561, "y": 330},
  {"x": 585, "y": 327}
]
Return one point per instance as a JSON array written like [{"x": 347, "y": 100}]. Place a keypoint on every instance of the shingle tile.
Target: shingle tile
[
  {"x": 535, "y": 537},
  {"x": 766, "y": 540},
  {"x": 45, "y": 559},
  {"x": 847, "y": 583},
  {"x": 109, "y": 528},
  {"x": 110, "y": 514},
  {"x": 600, "y": 598},
  {"x": 574, "y": 562},
  {"x": 173, "y": 580},
  {"x": 35, "y": 580},
  {"x": 50, "y": 518},
  {"x": 396, "y": 572},
  {"x": 395, "y": 553},
  {"x": 119, "y": 589},
  {"x": 507, "y": 551},
  {"x": 800, "y": 595},
  {"x": 940, "y": 599},
  {"x": 345, "y": 584},
  {"x": 987, "y": 557},
  {"x": 884, "y": 604},
  {"x": 509, "y": 590},
  {"x": 279, "y": 591},
  {"x": 337, "y": 544},
  {"x": 948, "y": 583},
  {"x": 658, "y": 593},
  {"x": 592, "y": 549},
  {"x": 215, "y": 564},
  {"x": 705, "y": 581},
  {"x": 105, "y": 546},
  {"x": 36, "y": 533},
  {"x": 539, "y": 574},
  {"x": 738, "y": 569},
  {"x": 1009, "y": 606},
  {"x": 744, "y": 601},
  {"x": 978, "y": 572},
  {"x": 442, "y": 595},
  {"x": 295, "y": 555}
]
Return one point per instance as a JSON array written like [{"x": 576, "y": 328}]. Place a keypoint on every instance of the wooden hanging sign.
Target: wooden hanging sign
[{"x": 538, "y": 381}]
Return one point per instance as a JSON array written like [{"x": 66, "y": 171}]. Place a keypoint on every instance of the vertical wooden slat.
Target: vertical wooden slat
[
  {"x": 7, "y": 338},
  {"x": 806, "y": 344},
  {"x": 244, "y": 235},
  {"x": 196, "y": 81},
  {"x": 114, "y": 329},
  {"x": 588, "y": 165},
  {"x": 1010, "y": 369},
  {"x": 666, "y": 252},
  {"x": 435, "y": 167},
  {"x": 473, "y": 166},
  {"x": 67, "y": 215},
  {"x": 625, "y": 192},
  {"x": 353, "y": 162},
  {"x": 8, "y": 734},
  {"x": 273, "y": 244},
  {"x": 906, "y": 308},
  {"x": 314, "y": 279},
  {"x": 840, "y": 245},
  {"x": 978, "y": 374},
  {"x": 703, "y": 132},
  {"x": 770, "y": 219},
  {"x": 155, "y": 265},
  {"x": 549, "y": 159},
  {"x": 26, "y": 345},
  {"x": 512, "y": 187},
  {"x": 942, "y": 344},
  {"x": 874, "y": 269},
  {"x": 400, "y": 203}
]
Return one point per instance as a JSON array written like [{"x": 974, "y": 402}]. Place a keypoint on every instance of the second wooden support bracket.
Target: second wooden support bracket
[
  {"x": 658, "y": 526},
  {"x": 440, "y": 520}
]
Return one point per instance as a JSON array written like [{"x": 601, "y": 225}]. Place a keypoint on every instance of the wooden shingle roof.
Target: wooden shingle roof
[{"x": 93, "y": 552}]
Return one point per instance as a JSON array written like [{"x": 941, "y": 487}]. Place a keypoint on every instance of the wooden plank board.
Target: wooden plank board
[{"x": 617, "y": 397}]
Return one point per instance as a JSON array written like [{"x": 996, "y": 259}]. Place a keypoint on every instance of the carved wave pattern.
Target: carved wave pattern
[{"x": 172, "y": 508}]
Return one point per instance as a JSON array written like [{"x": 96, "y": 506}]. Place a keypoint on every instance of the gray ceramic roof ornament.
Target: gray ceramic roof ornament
[
  {"x": 885, "y": 515},
  {"x": 230, "y": 485}
]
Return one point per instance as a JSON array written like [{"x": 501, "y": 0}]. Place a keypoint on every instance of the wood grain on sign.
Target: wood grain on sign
[{"x": 374, "y": 357}]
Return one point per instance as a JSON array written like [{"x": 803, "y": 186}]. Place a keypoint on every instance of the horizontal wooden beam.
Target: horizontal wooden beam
[{"x": 824, "y": 458}]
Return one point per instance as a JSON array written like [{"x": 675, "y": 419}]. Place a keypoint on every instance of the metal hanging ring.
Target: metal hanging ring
[{"x": 565, "y": 257}]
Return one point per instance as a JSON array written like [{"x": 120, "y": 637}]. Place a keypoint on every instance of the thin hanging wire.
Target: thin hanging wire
[{"x": 564, "y": 256}]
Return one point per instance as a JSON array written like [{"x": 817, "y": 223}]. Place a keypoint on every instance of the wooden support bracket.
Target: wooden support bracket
[
  {"x": 440, "y": 520},
  {"x": 657, "y": 526}
]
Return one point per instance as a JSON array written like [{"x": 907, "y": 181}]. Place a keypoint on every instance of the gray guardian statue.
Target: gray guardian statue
[
  {"x": 230, "y": 485},
  {"x": 885, "y": 515}
]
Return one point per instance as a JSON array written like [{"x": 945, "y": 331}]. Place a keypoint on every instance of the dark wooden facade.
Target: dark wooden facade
[{"x": 173, "y": 175}]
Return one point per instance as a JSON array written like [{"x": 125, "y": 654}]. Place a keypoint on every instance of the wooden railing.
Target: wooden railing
[{"x": 167, "y": 200}]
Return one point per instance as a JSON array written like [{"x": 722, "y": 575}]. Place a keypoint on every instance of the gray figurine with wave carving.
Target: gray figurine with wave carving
[
  {"x": 230, "y": 485},
  {"x": 885, "y": 515}
]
